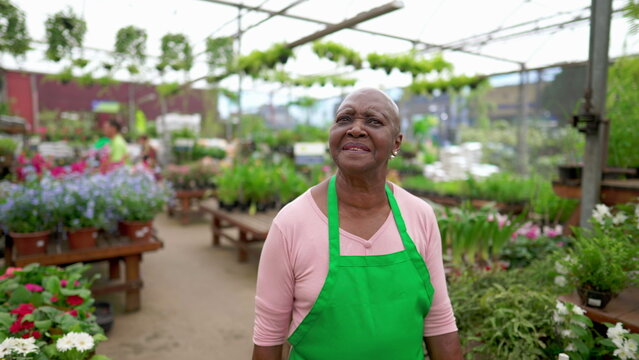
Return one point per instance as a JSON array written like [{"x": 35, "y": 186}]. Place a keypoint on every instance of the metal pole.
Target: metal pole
[
  {"x": 595, "y": 104},
  {"x": 522, "y": 125},
  {"x": 239, "y": 74},
  {"x": 166, "y": 141}
]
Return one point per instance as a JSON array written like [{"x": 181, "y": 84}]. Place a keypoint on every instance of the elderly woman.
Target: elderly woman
[{"x": 352, "y": 269}]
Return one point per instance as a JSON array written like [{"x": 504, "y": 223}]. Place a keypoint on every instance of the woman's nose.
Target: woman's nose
[{"x": 357, "y": 129}]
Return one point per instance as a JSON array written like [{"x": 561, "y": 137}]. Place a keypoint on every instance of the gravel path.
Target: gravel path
[{"x": 197, "y": 301}]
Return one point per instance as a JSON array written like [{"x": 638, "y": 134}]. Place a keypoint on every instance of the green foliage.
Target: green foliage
[
  {"x": 602, "y": 263},
  {"x": 337, "y": 53},
  {"x": 408, "y": 63},
  {"x": 504, "y": 314},
  {"x": 475, "y": 235},
  {"x": 623, "y": 96},
  {"x": 176, "y": 53},
  {"x": 304, "y": 101},
  {"x": 454, "y": 83},
  {"x": 521, "y": 251},
  {"x": 631, "y": 12},
  {"x": 257, "y": 61},
  {"x": 130, "y": 47},
  {"x": 168, "y": 89},
  {"x": 8, "y": 146},
  {"x": 14, "y": 37},
  {"x": 191, "y": 177},
  {"x": 219, "y": 52},
  {"x": 64, "y": 31}
]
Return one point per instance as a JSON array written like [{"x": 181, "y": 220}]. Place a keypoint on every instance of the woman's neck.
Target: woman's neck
[{"x": 361, "y": 192}]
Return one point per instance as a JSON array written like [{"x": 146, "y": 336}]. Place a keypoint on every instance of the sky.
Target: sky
[{"x": 432, "y": 21}]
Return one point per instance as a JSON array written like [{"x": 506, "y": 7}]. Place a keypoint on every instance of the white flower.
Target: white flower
[
  {"x": 600, "y": 212},
  {"x": 560, "y": 268},
  {"x": 616, "y": 332},
  {"x": 25, "y": 346},
  {"x": 65, "y": 343},
  {"x": 561, "y": 308},
  {"x": 84, "y": 341},
  {"x": 4, "y": 352},
  {"x": 75, "y": 340},
  {"x": 628, "y": 350},
  {"x": 578, "y": 310},
  {"x": 620, "y": 218},
  {"x": 567, "y": 333},
  {"x": 556, "y": 318},
  {"x": 560, "y": 280},
  {"x": 571, "y": 347}
]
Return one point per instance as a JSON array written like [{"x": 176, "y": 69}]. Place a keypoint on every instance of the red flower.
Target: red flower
[
  {"x": 15, "y": 327},
  {"x": 36, "y": 334},
  {"x": 34, "y": 287},
  {"x": 488, "y": 268},
  {"x": 53, "y": 299},
  {"x": 73, "y": 313},
  {"x": 26, "y": 335},
  {"x": 75, "y": 300},
  {"x": 23, "y": 309},
  {"x": 27, "y": 325}
]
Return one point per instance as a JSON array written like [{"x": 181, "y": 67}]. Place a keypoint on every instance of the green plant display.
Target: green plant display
[
  {"x": 219, "y": 52},
  {"x": 8, "y": 146},
  {"x": 14, "y": 37},
  {"x": 602, "y": 263},
  {"x": 337, "y": 53},
  {"x": 257, "y": 61},
  {"x": 623, "y": 96},
  {"x": 130, "y": 47},
  {"x": 454, "y": 83},
  {"x": 408, "y": 63},
  {"x": 64, "y": 31},
  {"x": 176, "y": 53}
]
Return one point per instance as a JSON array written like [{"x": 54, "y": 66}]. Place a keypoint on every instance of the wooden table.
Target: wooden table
[
  {"x": 613, "y": 192},
  {"x": 186, "y": 199},
  {"x": 624, "y": 309},
  {"x": 251, "y": 228},
  {"x": 111, "y": 249}
]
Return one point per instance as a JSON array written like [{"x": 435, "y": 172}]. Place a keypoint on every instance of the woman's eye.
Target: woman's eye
[
  {"x": 374, "y": 121},
  {"x": 342, "y": 119}
]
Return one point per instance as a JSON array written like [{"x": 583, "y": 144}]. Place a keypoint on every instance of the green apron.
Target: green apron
[{"x": 370, "y": 307}]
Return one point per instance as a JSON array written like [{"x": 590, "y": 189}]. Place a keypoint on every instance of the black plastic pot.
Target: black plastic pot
[
  {"x": 104, "y": 315},
  {"x": 593, "y": 298},
  {"x": 570, "y": 173}
]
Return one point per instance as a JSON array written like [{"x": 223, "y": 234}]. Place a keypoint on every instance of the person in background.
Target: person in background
[
  {"x": 148, "y": 153},
  {"x": 118, "y": 152},
  {"x": 352, "y": 269}
]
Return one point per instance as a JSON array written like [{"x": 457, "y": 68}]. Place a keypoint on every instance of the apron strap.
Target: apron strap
[{"x": 333, "y": 224}]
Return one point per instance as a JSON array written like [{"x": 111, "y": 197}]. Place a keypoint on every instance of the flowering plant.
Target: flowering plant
[
  {"x": 30, "y": 207},
  {"x": 620, "y": 221},
  {"x": 622, "y": 343},
  {"x": 41, "y": 304},
  {"x": 84, "y": 201},
  {"x": 138, "y": 197},
  {"x": 573, "y": 330}
]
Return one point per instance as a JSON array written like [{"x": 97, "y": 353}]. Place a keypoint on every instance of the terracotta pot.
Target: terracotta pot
[
  {"x": 31, "y": 243},
  {"x": 136, "y": 230},
  {"x": 593, "y": 298},
  {"x": 84, "y": 238}
]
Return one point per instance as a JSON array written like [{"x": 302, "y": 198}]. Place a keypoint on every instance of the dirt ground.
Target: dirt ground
[{"x": 197, "y": 301}]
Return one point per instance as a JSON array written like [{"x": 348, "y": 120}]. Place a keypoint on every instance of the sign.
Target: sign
[
  {"x": 105, "y": 106},
  {"x": 309, "y": 153}
]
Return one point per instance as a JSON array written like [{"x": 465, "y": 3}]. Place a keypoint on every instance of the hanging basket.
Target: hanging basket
[{"x": 31, "y": 243}]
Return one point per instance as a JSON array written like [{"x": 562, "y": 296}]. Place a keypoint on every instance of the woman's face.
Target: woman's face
[{"x": 365, "y": 132}]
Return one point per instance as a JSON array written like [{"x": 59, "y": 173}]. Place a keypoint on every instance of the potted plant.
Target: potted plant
[
  {"x": 83, "y": 210},
  {"x": 138, "y": 199},
  {"x": 7, "y": 150},
  {"x": 28, "y": 214},
  {"x": 601, "y": 266}
]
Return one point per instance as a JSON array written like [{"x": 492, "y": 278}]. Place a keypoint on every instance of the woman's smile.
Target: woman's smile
[{"x": 356, "y": 148}]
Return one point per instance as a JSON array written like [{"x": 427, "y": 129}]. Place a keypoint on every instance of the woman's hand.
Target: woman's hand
[{"x": 267, "y": 352}]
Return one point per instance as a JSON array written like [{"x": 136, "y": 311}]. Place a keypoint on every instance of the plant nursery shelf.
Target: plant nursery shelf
[
  {"x": 114, "y": 249},
  {"x": 624, "y": 308},
  {"x": 250, "y": 228},
  {"x": 187, "y": 199}
]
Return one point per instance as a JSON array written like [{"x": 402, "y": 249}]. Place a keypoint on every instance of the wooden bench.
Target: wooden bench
[
  {"x": 109, "y": 248},
  {"x": 251, "y": 228},
  {"x": 624, "y": 309}
]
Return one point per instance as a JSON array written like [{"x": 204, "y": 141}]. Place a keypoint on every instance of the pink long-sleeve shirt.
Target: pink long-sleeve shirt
[{"x": 294, "y": 264}]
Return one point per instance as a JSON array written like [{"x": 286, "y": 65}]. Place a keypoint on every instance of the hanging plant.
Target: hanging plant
[
  {"x": 176, "y": 53},
  {"x": 256, "y": 61},
  {"x": 338, "y": 53},
  {"x": 219, "y": 52},
  {"x": 130, "y": 47},
  {"x": 65, "y": 32},
  {"x": 14, "y": 38},
  {"x": 168, "y": 89},
  {"x": 455, "y": 83}
]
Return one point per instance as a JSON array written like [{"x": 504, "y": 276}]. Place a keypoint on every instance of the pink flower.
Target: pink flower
[
  {"x": 553, "y": 231},
  {"x": 76, "y": 283},
  {"x": 58, "y": 171},
  {"x": 75, "y": 300},
  {"x": 54, "y": 299},
  {"x": 73, "y": 313},
  {"x": 78, "y": 167},
  {"x": 533, "y": 233},
  {"x": 63, "y": 283},
  {"x": 34, "y": 287},
  {"x": 10, "y": 272}
]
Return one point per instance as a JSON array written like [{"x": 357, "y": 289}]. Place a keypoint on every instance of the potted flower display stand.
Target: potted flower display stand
[
  {"x": 187, "y": 204},
  {"x": 115, "y": 249},
  {"x": 623, "y": 308}
]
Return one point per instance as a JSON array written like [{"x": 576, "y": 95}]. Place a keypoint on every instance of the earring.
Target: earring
[{"x": 393, "y": 154}]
